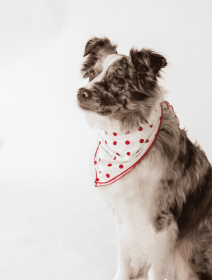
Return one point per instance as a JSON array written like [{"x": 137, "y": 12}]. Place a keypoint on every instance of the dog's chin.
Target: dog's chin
[
  {"x": 83, "y": 107},
  {"x": 100, "y": 113},
  {"x": 87, "y": 110}
]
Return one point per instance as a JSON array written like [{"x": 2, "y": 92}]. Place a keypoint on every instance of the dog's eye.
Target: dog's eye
[
  {"x": 91, "y": 75},
  {"x": 116, "y": 80}
]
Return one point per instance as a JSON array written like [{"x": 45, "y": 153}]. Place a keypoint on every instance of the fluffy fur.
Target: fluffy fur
[{"x": 163, "y": 206}]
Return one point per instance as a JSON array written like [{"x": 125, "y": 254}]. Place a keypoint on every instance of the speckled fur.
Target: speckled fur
[{"x": 163, "y": 207}]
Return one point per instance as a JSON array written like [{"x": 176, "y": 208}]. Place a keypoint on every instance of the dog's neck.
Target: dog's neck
[{"x": 106, "y": 123}]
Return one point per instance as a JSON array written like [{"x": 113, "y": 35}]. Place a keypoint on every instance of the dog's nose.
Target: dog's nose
[{"x": 83, "y": 93}]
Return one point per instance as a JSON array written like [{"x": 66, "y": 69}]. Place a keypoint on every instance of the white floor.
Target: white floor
[{"x": 51, "y": 234}]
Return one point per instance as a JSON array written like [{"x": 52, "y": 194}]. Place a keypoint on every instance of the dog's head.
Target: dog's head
[{"x": 120, "y": 87}]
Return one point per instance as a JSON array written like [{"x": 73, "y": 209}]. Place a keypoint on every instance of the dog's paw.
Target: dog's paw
[
  {"x": 118, "y": 277},
  {"x": 137, "y": 278},
  {"x": 141, "y": 278}
]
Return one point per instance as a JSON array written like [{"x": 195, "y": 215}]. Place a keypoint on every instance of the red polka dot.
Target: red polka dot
[
  {"x": 100, "y": 172},
  {"x": 128, "y": 153},
  {"x": 114, "y": 158},
  {"x": 105, "y": 132},
  {"x": 114, "y": 133},
  {"x": 109, "y": 164},
  {"x": 140, "y": 128},
  {"x": 118, "y": 154},
  {"x": 114, "y": 143},
  {"x": 127, "y": 132},
  {"x": 105, "y": 142},
  {"x": 121, "y": 166},
  {"x": 141, "y": 141},
  {"x": 108, "y": 175},
  {"x": 99, "y": 142},
  {"x": 95, "y": 162},
  {"x": 151, "y": 125},
  {"x": 99, "y": 159},
  {"x": 147, "y": 141},
  {"x": 127, "y": 142},
  {"x": 97, "y": 179}
]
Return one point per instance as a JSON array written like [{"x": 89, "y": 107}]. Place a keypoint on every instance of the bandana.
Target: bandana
[{"x": 118, "y": 152}]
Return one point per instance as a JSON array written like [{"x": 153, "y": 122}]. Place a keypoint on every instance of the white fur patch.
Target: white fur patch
[
  {"x": 132, "y": 197},
  {"x": 107, "y": 62}
]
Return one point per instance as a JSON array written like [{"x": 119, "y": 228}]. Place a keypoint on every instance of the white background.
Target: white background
[{"x": 53, "y": 225}]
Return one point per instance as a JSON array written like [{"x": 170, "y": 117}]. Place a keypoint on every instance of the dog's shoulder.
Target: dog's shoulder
[{"x": 186, "y": 184}]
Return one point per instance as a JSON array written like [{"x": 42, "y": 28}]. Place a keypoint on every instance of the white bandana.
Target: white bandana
[{"x": 119, "y": 152}]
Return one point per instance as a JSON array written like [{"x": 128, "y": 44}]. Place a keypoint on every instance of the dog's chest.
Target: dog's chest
[
  {"x": 133, "y": 196},
  {"x": 133, "y": 201}
]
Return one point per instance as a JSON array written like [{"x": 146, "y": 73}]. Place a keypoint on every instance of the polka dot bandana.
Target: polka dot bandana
[{"x": 118, "y": 152}]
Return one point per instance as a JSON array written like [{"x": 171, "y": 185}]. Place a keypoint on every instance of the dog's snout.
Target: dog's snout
[{"x": 83, "y": 93}]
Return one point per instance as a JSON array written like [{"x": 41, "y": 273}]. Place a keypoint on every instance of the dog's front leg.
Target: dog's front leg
[
  {"x": 123, "y": 270},
  {"x": 155, "y": 273}
]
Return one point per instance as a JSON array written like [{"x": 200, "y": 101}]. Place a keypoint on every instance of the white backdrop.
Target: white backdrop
[{"x": 52, "y": 223}]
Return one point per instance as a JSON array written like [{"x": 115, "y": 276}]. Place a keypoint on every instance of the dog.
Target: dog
[{"x": 158, "y": 183}]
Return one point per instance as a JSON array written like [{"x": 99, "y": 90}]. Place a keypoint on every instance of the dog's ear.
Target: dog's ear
[
  {"x": 147, "y": 62},
  {"x": 95, "y": 45}
]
